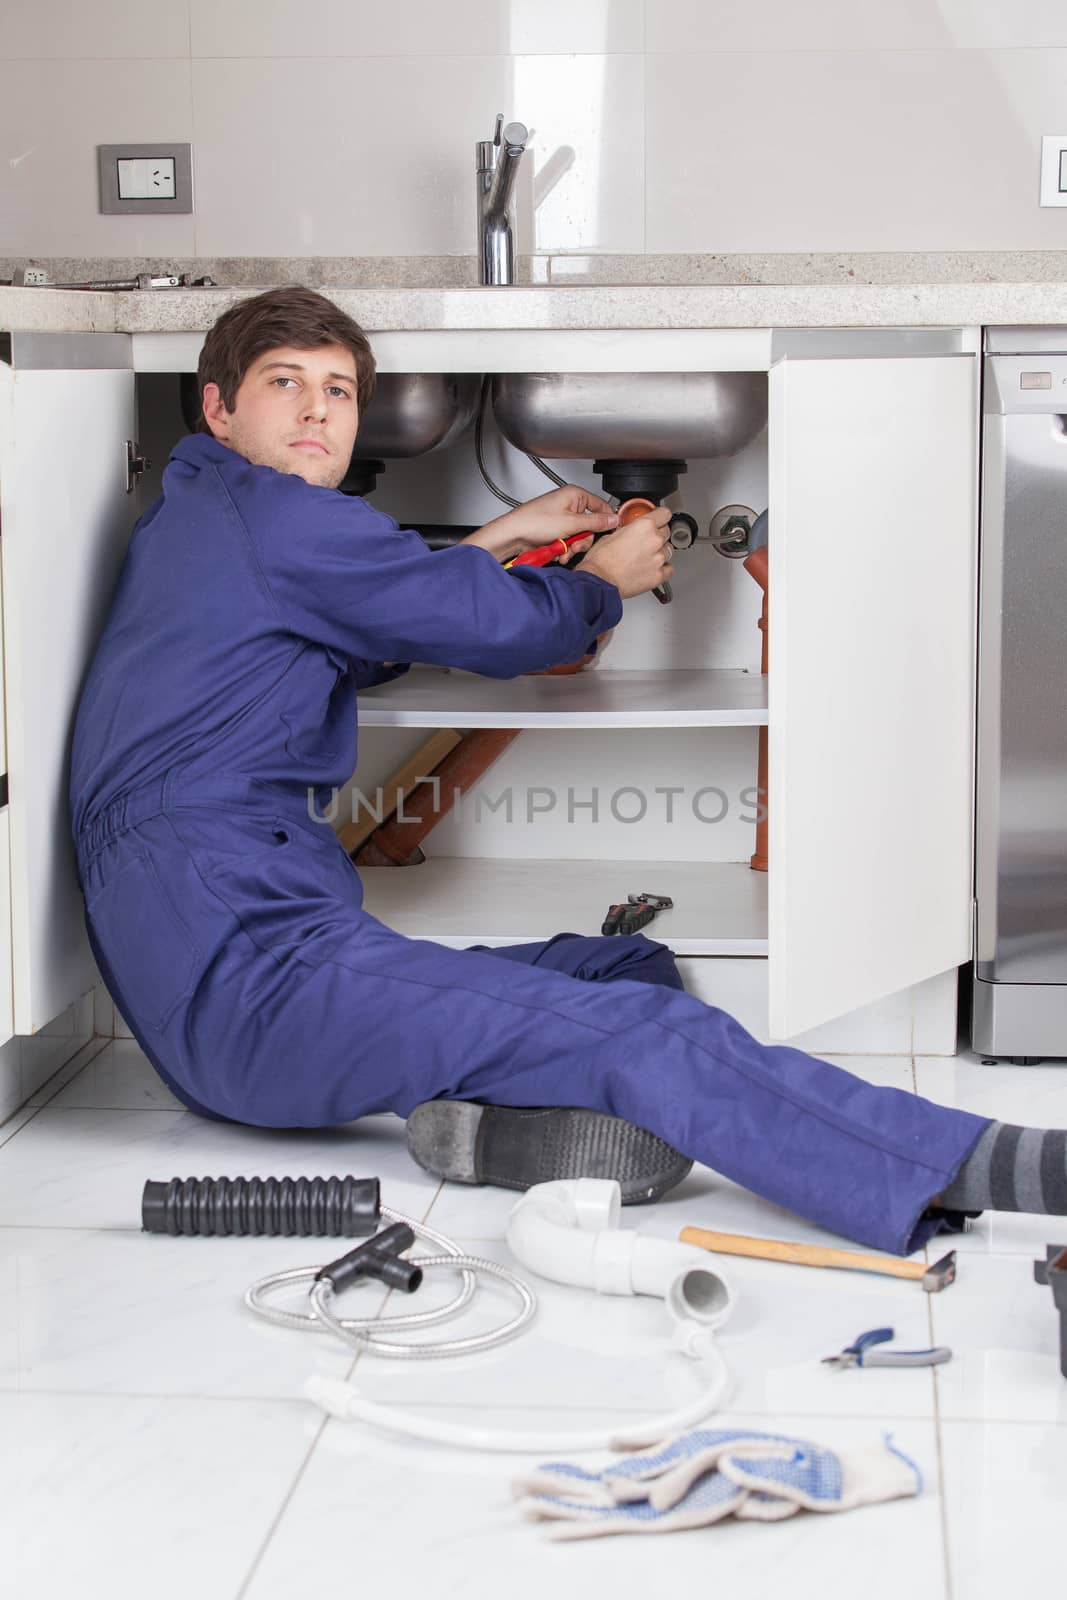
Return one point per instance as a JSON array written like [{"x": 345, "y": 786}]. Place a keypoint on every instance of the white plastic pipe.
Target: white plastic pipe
[{"x": 569, "y": 1231}]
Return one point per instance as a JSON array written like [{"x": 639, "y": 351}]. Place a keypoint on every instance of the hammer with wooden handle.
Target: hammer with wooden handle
[{"x": 933, "y": 1278}]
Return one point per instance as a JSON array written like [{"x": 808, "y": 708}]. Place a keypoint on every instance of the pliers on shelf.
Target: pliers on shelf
[
  {"x": 635, "y": 913},
  {"x": 860, "y": 1354}
]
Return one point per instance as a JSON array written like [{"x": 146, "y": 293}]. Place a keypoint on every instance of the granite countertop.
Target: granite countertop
[{"x": 412, "y": 294}]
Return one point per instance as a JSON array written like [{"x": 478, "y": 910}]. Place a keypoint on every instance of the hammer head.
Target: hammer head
[{"x": 941, "y": 1274}]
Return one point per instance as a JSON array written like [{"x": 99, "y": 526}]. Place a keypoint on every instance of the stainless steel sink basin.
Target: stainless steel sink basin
[
  {"x": 412, "y": 412},
  {"x": 631, "y": 416}
]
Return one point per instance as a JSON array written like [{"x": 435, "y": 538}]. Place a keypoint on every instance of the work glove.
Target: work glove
[{"x": 704, "y": 1476}]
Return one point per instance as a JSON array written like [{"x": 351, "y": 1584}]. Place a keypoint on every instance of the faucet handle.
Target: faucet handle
[{"x": 515, "y": 134}]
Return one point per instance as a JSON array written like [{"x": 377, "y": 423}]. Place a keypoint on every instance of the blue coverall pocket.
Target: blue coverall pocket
[
  {"x": 147, "y": 945},
  {"x": 221, "y": 844},
  {"x": 287, "y": 885}
]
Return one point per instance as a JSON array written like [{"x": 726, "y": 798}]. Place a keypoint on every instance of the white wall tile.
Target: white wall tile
[
  {"x": 85, "y": 1016},
  {"x": 105, "y": 29},
  {"x": 419, "y": 27},
  {"x": 840, "y": 125},
  {"x": 42, "y": 1055},
  {"x": 10, "y": 1078},
  {"x": 585, "y": 189},
  {"x": 103, "y": 1012},
  {"x": 739, "y": 985},
  {"x": 891, "y": 150},
  {"x": 853, "y": 24},
  {"x": 934, "y": 1014},
  {"x": 293, "y": 157},
  {"x": 53, "y": 114}
]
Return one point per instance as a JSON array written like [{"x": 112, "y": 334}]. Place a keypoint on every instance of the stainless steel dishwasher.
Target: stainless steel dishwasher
[{"x": 1019, "y": 1007}]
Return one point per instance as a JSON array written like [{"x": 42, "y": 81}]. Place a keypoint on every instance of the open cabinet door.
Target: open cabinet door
[
  {"x": 873, "y": 497},
  {"x": 66, "y": 520}
]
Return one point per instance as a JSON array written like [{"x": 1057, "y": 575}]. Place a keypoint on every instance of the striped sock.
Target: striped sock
[{"x": 1013, "y": 1169}]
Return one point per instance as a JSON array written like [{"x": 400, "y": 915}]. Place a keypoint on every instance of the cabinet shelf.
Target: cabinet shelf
[
  {"x": 428, "y": 697},
  {"x": 720, "y": 907}
]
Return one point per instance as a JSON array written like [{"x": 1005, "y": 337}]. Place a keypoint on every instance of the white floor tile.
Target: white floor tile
[
  {"x": 52, "y": 1086},
  {"x": 118, "y": 1348},
  {"x": 16, "y": 1122},
  {"x": 87, "y": 1169},
  {"x": 1004, "y": 1498},
  {"x": 115, "y": 1312},
  {"x": 1034, "y": 1097},
  {"x": 119, "y": 1078},
  {"x": 106, "y": 1496},
  {"x": 613, "y": 1352},
  {"x": 1004, "y": 1332},
  {"x": 472, "y": 1541}
]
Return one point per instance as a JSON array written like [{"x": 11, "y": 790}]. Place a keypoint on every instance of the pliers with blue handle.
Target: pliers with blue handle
[{"x": 860, "y": 1354}]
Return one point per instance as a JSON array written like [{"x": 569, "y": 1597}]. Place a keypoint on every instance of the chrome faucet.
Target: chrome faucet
[{"x": 496, "y": 163}]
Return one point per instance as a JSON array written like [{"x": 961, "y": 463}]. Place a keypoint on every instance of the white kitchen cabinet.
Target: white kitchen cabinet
[
  {"x": 7, "y": 1002},
  {"x": 66, "y": 518},
  {"x": 872, "y": 488},
  {"x": 872, "y": 471},
  {"x": 7, "y": 1012}
]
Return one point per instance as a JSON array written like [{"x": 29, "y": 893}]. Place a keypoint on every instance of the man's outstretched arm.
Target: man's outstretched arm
[{"x": 346, "y": 575}]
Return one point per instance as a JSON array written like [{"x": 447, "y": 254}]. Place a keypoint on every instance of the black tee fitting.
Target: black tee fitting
[{"x": 378, "y": 1258}]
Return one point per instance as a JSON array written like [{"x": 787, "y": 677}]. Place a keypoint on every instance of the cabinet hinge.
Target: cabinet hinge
[{"x": 136, "y": 463}]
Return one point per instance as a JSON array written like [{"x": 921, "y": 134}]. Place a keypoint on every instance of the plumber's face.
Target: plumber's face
[{"x": 295, "y": 411}]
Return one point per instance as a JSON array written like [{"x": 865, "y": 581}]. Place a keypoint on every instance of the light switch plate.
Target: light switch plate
[
  {"x": 139, "y": 178},
  {"x": 1054, "y": 169}
]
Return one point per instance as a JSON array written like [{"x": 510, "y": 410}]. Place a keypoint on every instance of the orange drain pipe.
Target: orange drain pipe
[
  {"x": 396, "y": 842},
  {"x": 756, "y": 566}
]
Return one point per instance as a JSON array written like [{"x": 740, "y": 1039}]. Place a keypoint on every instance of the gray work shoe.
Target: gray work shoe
[{"x": 514, "y": 1149}]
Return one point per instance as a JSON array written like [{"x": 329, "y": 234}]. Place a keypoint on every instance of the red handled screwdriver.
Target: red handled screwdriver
[{"x": 545, "y": 552}]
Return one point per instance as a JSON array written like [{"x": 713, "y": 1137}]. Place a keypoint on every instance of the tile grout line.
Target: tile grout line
[
  {"x": 280, "y": 1513},
  {"x": 175, "y": 1109},
  {"x": 931, "y": 1333},
  {"x": 34, "y": 1111},
  {"x": 104, "y": 1043},
  {"x": 357, "y": 1357},
  {"x": 946, "y": 1555},
  {"x": 196, "y": 1397}
]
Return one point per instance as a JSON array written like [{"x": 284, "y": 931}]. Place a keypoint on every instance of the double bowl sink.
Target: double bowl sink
[{"x": 625, "y": 416}]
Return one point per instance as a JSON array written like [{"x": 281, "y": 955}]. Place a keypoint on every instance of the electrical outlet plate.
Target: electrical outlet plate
[
  {"x": 1054, "y": 169},
  {"x": 139, "y": 178}
]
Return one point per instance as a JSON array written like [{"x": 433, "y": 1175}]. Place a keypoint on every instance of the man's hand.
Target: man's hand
[
  {"x": 556, "y": 515},
  {"x": 637, "y": 557}
]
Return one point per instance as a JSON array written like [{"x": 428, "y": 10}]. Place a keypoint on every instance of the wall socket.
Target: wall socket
[
  {"x": 1054, "y": 169},
  {"x": 139, "y": 178}
]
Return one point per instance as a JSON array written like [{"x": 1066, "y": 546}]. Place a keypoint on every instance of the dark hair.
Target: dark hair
[{"x": 289, "y": 316}]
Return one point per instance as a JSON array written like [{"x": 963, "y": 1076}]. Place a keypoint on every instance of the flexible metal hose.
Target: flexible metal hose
[
  {"x": 358, "y": 1330},
  {"x": 479, "y": 425}
]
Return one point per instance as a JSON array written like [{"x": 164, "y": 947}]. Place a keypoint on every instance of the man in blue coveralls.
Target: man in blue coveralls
[{"x": 254, "y": 602}]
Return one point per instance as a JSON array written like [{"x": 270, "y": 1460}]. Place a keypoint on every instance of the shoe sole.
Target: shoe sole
[{"x": 514, "y": 1149}]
